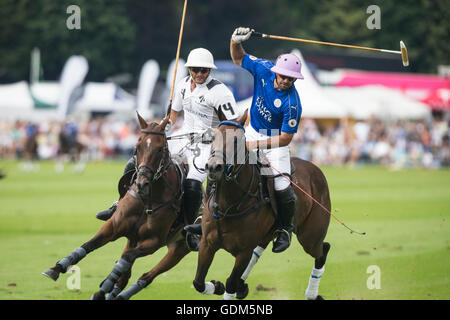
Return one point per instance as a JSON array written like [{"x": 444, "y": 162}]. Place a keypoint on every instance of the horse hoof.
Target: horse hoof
[
  {"x": 52, "y": 274},
  {"x": 119, "y": 297},
  {"x": 242, "y": 294},
  {"x": 319, "y": 297},
  {"x": 98, "y": 296},
  {"x": 219, "y": 287}
]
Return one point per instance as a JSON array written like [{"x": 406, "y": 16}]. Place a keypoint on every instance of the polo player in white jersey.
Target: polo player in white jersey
[{"x": 205, "y": 101}]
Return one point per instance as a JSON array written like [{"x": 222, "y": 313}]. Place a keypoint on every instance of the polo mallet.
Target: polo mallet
[
  {"x": 177, "y": 58},
  {"x": 403, "y": 52}
]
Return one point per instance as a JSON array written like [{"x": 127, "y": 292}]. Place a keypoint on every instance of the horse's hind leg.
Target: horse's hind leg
[
  {"x": 104, "y": 235},
  {"x": 312, "y": 291},
  {"x": 177, "y": 251}
]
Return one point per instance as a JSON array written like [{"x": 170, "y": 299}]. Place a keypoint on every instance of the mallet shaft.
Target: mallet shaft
[
  {"x": 326, "y": 43},
  {"x": 177, "y": 57}
]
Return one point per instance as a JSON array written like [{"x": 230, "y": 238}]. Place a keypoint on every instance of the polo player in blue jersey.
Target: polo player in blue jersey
[{"x": 274, "y": 118}]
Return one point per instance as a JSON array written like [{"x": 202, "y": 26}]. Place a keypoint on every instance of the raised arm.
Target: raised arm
[{"x": 237, "y": 52}]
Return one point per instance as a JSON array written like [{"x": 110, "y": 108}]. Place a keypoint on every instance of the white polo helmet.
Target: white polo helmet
[{"x": 200, "y": 57}]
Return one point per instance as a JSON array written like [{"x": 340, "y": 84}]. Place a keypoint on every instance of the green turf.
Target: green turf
[{"x": 44, "y": 216}]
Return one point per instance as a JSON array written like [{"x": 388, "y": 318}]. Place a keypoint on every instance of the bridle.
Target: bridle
[
  {"x": 152, "y": 175},
  {"x": 146, "y": 169},
  {"x": 231, "y": 171},
  {"x": 231, "y": 174}
]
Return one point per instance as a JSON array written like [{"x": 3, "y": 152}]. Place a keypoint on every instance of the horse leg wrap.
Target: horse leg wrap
[
  {"x": 71, "y": 259},
  {"x": 209, "y": 288},
  {"x": 255, "y": 257},
  {"x": 115, "y": 291},
  {"x": 229, "y": 296},
  {"x": 133, "y": 289},
  {"x": 312, "y": 291},
  {"x": 121, "y": 266}
]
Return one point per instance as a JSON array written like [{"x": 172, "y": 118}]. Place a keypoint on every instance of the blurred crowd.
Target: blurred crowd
[
  {"x": 399, "y": 144},
  {"x": 94, "y": 139}
]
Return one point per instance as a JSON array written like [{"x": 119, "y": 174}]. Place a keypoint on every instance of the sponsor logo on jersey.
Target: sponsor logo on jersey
[
  {"x": 292, "y": 123},
  {"x": 262, "y": 109},
  {"x": 277, "y": 103}
]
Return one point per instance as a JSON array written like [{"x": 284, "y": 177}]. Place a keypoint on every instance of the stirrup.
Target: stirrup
[
  {"x": 106, "y": 214},
  {"x": 280, "y": 247},
  {"x": 196, "y": 227},
  {"x": 192, "y": 242}
]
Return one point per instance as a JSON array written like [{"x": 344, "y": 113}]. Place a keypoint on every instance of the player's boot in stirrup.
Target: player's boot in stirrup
[
  {"x": 286, "y": 203},
  {"x": 191, "y": 204},
  {"x": 106, "y": 214}
]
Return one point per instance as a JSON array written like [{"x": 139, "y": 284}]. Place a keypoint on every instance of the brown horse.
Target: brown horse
[
  {"x": 148, "y": 215},
  {"x": 240, "y": 214}
]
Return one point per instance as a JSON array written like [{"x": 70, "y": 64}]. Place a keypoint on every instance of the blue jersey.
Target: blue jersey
[{"x": 272, "y": 110}]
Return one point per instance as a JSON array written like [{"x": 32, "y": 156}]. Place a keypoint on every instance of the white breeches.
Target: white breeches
[
  {"x": 279, "y": 158},
  {"x": 175, "y": 147}
]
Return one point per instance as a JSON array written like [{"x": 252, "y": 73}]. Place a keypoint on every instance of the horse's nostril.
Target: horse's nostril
[{"x": 218, "y": 168}]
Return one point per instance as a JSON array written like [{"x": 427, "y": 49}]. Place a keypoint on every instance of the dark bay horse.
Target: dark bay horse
[
  {"x": 148, "y": 215},
  {"x": 240, "y": 215}
]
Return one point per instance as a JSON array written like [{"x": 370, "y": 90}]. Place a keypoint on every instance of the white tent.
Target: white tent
[
  {"x": 105, "y": 97},
  {"x": 315, "y": 104},
  {"x": 365, "y": 101}
]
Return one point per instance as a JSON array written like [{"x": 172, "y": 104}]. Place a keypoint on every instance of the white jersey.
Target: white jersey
[{"x": 202, "y": 106}]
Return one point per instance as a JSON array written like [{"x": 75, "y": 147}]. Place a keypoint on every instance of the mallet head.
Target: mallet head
[{"x": 404, "y": 54}]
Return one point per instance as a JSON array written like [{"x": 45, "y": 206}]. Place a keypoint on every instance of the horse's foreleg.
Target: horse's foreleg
[
  {"x": 177, "y": 251},
  {"x": 125, "y": 263},
  {"x": 123, "y": 279},
  {"x": 257, "y": 253},
  {"x": 235, "y": 286},
  {"x": 104, "y": 235},
  {"x": 205, "y": 258}
]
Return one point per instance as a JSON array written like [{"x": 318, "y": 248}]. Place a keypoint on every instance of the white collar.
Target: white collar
[{"x": 204, "y": 84}]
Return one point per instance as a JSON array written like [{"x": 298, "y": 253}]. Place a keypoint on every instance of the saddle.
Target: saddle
[
  {"x": 268, "y": 179},
  {"x": 127, "y": 180}
]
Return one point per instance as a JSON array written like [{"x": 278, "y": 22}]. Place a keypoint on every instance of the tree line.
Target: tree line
[{"x": 118, "y": 36}]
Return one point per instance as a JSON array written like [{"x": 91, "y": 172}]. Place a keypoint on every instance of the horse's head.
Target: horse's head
[
  {"x": 228, "y": 148},
  {"x": 151, "y": 154}
]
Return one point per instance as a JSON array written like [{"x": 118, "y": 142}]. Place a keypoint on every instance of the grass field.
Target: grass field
[{"x": 44, "y": 216}]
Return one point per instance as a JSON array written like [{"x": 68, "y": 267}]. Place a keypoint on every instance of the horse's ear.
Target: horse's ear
[
  {"x": 243, "y": 118},
  {"x": 164, "y": 122},
  {"x": 142, "y": 122}
]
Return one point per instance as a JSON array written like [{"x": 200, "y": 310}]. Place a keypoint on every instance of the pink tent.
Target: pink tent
[{"x": 431, "y": 90}]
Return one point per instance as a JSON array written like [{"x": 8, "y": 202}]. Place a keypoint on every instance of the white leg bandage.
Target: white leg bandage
[
  {"x": 256, "y": 255},
  {"x": 209, "y": 288},
  {"x": 312, "y": 291},
  {"x": 228, "y": 296}
]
